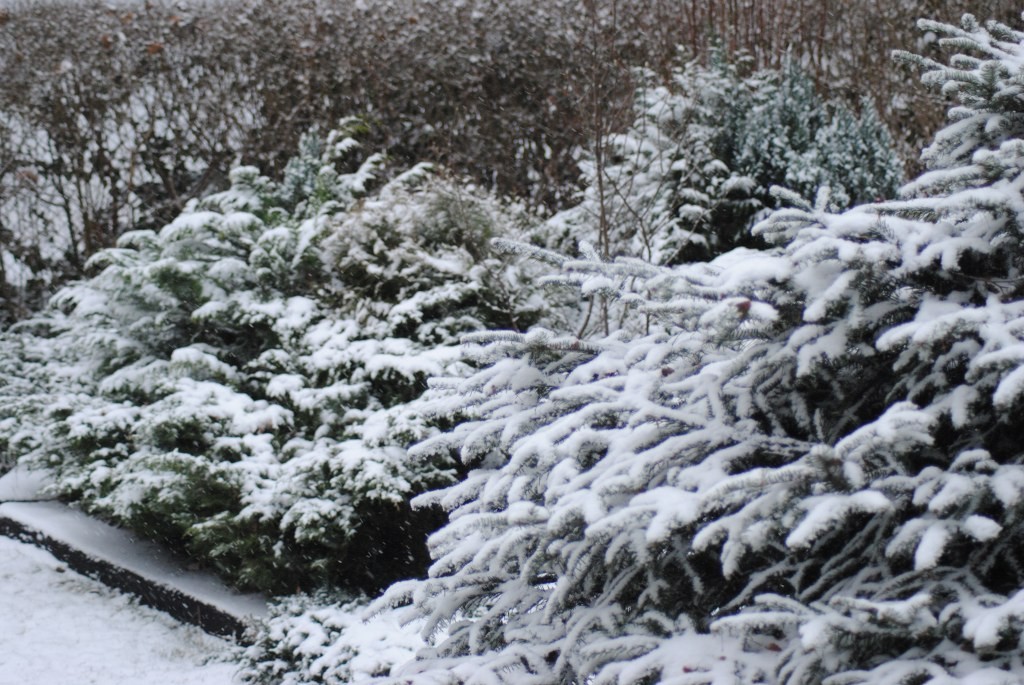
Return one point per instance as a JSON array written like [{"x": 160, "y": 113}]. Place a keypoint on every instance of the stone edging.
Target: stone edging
[{"x": 178, "y": 604}]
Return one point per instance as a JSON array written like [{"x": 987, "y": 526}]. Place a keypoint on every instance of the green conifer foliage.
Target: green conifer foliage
[
  {"x": 803, "y": 466},
  {"x": 245, "y": 375},
  {"x": 693, "y": 172}
]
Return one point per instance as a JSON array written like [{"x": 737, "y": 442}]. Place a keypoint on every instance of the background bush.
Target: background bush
[
  {"x": 241, "y": 384},
  {"x": 113, "y": 115}
]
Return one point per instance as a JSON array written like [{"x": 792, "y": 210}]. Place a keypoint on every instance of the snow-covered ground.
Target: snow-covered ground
[{"x": 60, "y": 628}]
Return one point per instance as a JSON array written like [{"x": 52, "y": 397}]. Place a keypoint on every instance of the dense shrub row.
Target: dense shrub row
[
  {"x": 113, "y": 115},
  {"x": 798, "y": 464},
  {"x": 690, "y": 439},
  {"x": 237, "y": 373},
  {"x": 244, "y": 382}
]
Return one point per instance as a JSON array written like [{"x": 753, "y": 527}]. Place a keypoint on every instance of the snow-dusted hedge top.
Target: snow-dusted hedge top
[
  {"x": 798, "y": 465},
  {"x": 244, "y": 375}
]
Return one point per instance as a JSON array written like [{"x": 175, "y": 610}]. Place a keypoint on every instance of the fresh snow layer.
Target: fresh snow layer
[
  {"x": 21, "y": 484},
  {"x": 60, "y": 628},
  {"x": 120, "y": 548}
]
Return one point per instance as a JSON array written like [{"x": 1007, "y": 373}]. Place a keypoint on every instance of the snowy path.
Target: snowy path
[{"x": 60, "y": 628}]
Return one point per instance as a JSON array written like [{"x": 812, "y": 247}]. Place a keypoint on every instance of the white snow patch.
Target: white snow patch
[
  {"x": 61, "y": 628},
  {"x": 22, "y": 484},
  {"x": 929, "y": 550},
  {"x": 826, "y": 511},
  {"x": 982, "y": 528}
]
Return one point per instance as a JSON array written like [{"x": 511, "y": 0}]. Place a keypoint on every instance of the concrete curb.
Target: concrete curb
[
  {"x": 172, "y": 601},
  {"x": 121, "y": 560}
]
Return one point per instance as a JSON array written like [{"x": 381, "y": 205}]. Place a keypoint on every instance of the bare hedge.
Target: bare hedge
[{"x": 112, "y": 115}]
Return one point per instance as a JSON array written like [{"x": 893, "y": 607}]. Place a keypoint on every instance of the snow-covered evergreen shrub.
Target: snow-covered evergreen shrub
[
  {"x": 804, "y": 466},
  {"x": 323, "y": 638},
  {"x": 248, "y": 369},
  {"x": 688, "y": 179},
  {"x": 33, "y": 380}
]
